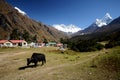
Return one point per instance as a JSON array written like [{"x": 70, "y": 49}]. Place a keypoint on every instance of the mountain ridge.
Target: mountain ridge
[{"x": 67, "y": 28}]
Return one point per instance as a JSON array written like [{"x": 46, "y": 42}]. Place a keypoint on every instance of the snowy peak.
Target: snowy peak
[
  {"x": 104, "y": 21},
  {"x": 67, "y": 28},
  {"x": 108, "y": 16}
]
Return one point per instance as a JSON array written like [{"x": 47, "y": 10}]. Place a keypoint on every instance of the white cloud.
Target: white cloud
[
  {"x": 67, "y": 28},
  {"x": 20, "y": 11}
]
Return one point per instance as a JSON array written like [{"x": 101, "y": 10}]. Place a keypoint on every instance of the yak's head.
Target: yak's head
[{"x": 28, "y": 61}]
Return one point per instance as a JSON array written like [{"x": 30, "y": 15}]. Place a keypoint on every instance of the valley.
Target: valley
[{"x": 72, "y": 53}]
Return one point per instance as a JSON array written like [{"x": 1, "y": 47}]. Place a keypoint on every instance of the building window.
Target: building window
[
  {"x": 8, "y": 44},
  {"x": 24, "y": 43}
]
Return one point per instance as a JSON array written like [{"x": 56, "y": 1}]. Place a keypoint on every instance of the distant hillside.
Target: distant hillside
[{"x": 11, "y": 19}]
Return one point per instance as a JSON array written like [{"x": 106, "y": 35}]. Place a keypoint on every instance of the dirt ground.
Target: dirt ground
[{"x": 58, "y": 66}]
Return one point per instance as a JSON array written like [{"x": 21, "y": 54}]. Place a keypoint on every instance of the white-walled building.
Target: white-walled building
[
  {"x": 13, "y": 43},
  {"x": 5, "y": 43}
]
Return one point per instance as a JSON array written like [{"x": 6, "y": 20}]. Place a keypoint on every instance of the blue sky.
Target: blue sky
[{"x": 77, "y": 12}]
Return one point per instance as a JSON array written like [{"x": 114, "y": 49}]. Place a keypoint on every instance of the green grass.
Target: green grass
[
  {"x": 67, "y": 65},
  {"x": 108, "y": 64}
]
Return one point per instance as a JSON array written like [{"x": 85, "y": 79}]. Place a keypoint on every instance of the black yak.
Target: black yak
[{"x": 35, "y": 58}]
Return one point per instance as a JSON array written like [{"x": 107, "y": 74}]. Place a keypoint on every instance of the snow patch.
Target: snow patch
[
  {"x": 100, "y": 23},
  {"x": 20, "y": 11}
]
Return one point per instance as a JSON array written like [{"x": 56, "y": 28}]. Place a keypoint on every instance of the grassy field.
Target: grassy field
[{"x": 68, "y": 65}]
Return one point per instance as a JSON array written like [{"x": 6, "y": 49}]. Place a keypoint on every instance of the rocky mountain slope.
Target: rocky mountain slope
[{"x": 11, "y": 18}]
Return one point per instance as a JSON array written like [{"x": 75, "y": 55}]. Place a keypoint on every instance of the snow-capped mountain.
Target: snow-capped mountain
[
  {"x": 101, "y": 33},
  {"x": 104, "y": 21},
  {"x": 99, "y": 23},
  {"x": 67, "y": 28}
]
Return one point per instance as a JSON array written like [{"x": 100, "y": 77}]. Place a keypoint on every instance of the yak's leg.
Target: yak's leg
[
  {"x": 35, "y": 63},
  {"x": 28, "y": 61},
  {"x": 42, "y": 62}
]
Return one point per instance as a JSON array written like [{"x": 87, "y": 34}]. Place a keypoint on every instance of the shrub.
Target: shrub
[
  {"x": 86, "y": 45},
  {"x": 99, "y": 46},
  {"x": 114, "y": 40}
]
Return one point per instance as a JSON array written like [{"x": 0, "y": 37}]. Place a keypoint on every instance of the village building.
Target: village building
[
  {"x": 13, "y": 43},
  {"x": 32, "y": 44},
  {"x": 39, "y": 44},
  {"x": 5, "y": 43},
  {"x": 59, "y": 44},
  {"x": 23, "y": 43},
  {"x": 52, "y": 44}
]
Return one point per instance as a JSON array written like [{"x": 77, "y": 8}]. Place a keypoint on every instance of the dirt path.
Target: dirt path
[{"x": 6, "y": 55}]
